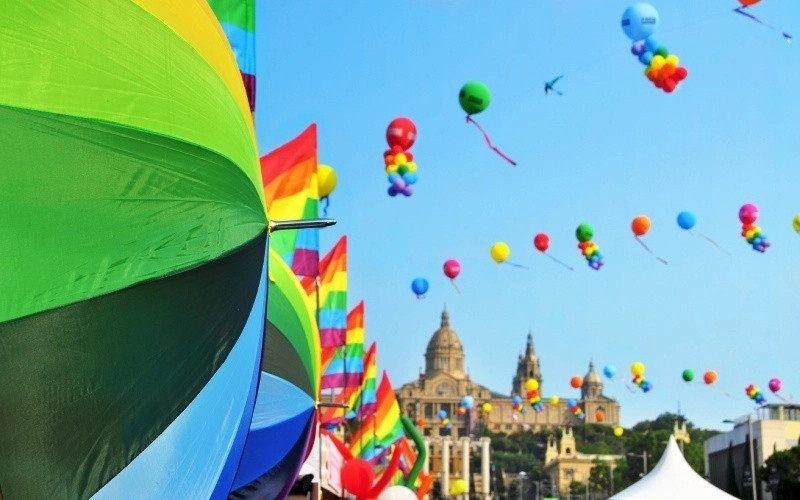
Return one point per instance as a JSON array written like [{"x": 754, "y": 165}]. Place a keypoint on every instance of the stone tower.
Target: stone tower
[
  {"x": 527, "y": 367},
  {"x": 567, "y": 444},
  {"x": 444, "y": 353},
  {"x": 592, "y": 386}
]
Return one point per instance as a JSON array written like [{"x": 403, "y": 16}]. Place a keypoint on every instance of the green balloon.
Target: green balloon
[
  {"x": 584, "y": 232},
  {"x": 402, "y": 169},
  {"x": 688, "y": 375},
  {"x": 662, "y": 51},
  {"x": 474, "y": 97}
]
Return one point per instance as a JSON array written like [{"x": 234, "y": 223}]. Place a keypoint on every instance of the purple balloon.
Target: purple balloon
[
  {"x": 775, "y": 384},
  {"x": 408, "y": 191},
  {"x": 392, "y": 191},
  {"x": 637, "y": 48},
  {"x": 399, "y": 184}
]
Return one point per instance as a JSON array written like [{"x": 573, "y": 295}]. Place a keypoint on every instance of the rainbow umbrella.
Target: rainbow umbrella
[
  {"x": 132, "y": 251},
  {"x": 285, "y": 411}
]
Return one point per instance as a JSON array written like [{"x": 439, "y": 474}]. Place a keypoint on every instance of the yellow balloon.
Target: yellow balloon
[
  {"x": 412, "y": 166},
  {"x": 531, "y": 384},
  {"x": 637, "y": 368},
  {"x": 487, "y": 407},
  {"x": 796, "y": 223},
  {"x": 500, "y": 252},
  {"x": 458, "y": 487},
  {"x": 326, "y": 180},
  {"x": 749, "y": 234},
  {"x": 554, "y": 401},
  {"x": 657, "y": 62},
  {"x": 618, "y": 431},
  {"x": 673, "y": 60},
  {"x": 400, "y": 158},
  {"x": 392, "y": 169}
]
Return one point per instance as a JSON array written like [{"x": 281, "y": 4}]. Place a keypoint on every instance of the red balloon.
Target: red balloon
[
  {"x": 357, "y": 476},
  {"x": 452, "y": 268},
  {"x": 576, "y": 382},
  {"x": 680, "y": 73},
  {"x": 461, "y": 410},
  {"x": 748, "y": 3},
  {"x": 401, "y": 132},
  {"x": 669, "y": 85},
  {"x": 542, "y": 242}
]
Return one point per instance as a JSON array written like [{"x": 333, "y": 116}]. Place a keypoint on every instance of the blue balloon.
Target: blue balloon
[
  {"x": 516, "y": 400},
  {"x": 609, "y": 371},
  {"x": 410, "y": 178},
  {"x": 686, "y": 220},
  {"x": 572, "y": 402},
  {"x": 393, "y": 177},
  {"x": 637, "y": 48},
  {"x": 651, "y": 45},
  {"x": 392, "y": 191},
  {"x": 646, "y": 57},
  {"x": 468, "y": 402},
  {"x": 419, "y": 286},
  {"x": 639, "y": 21},
  {"x": 442, "y": 414}
]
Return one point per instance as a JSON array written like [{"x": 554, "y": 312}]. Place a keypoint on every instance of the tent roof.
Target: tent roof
[{"x": 672, "y": 478}]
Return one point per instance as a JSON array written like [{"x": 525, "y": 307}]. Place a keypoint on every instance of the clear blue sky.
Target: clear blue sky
[{"x": 612, "y": 147}]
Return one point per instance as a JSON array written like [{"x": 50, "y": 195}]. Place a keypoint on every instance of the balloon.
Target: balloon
[
  {"x": 618, "y": 431},
  {"x": 401, "y": 132},
  {"x": 775, "y": 384},
  {"x": 609, "y": 371},
  {"x": 710, "y": 377},
  {"x": 326, "y": 180},
  {"x": 572, "y": 402},
  {"x": 637, "y": 368},
  {"x": 639, "y": 21},
  {"x": 487, "y": 407},
  {"x": 686, "y": 220},
  {"x": 687, "y": 375},
  {"x": 461, "y": 411},
  {"x": 474, "y": 97},
  {"x": 458, "y": 487},
  {"x": 357, "y": 476},
  {"x": 531, "y": 384},
  {"x": 747, "y": 3},
  {"x": 599, "y": 415},
  {"x": 442, "y": 414},
  {"x": 516, "y": 400},
  {"x": 421, "y": 422},
  {"x": 796, "y": 223},
  {"x": 452, "y": 268},
  {"x": 640, "y": 225},
  {"x": 584, "y": 232},
  {"x": 419, "y": 286},
  {"x": 554, "y": 400},
  {"x": 542, "y": 242},
  {"x": 397, "y": 492},
  {"x": 576, "y": 382},
  {"x": 637, "y": 48},
  {"x": 500, "y": 252},
  {"x": 748, "y": 213},
  {"x": 468, "y": 402}
]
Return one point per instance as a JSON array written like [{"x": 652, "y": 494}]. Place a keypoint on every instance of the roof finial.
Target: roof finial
[{"x": 445, "y": 317}]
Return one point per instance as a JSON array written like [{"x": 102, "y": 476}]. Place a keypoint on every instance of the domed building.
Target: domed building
[{"x": 445, "y": 381}]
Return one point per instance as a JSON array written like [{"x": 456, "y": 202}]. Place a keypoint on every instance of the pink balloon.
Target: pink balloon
[
  {"x": 748, "y": 213},
  {"x": 452, "y": 268},
  {"x": 775, "y": 384}
]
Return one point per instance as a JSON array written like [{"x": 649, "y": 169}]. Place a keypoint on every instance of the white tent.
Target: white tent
[{"x": 672, "y": 478}]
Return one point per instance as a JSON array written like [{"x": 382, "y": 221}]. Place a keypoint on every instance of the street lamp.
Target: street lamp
[
  {"x": 750, "y": 444},
  {"x": 521, "y": 477},
  {"x": 643, "y": 456}
]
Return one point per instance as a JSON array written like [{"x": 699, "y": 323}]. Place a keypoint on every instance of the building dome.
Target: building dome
[
  {"x": 444, "y": 352},
  {"x": 592, "y": 384}
]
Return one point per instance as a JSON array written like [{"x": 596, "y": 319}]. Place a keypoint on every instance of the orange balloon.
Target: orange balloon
[
  {"x": 576, "y": 382},
  {"x": 640, "y": 225},
  {"x": 748, "y": 3},
  {"x": 710, "y": 377},
  {"x": 421, "y": 422},
  {"x": 599, "y": 415}
]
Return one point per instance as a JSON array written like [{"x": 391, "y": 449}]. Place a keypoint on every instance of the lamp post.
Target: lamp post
[
  {"x": 643, "y": 456},
  {"x": 521, "y": 477},
  {"x": 750, "y": 445},
  {"x": 611, "y": 476}
]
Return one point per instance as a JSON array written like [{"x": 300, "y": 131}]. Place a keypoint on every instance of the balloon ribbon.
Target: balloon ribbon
[
  {"x": 563, "y": 264},
  {"x": 740, "y": 10},
  {"x": 489, "y": 141},
  {"x": 650, "y": 251},
  {"x": 516, "y": 265},
  {"x": 709, "y": 240},
  {"x": 325, "y": 206},
  {"x": 453, "y": 281}
]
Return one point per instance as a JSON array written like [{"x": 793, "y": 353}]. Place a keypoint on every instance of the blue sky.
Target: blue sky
[{"x": 612, "y": 147}]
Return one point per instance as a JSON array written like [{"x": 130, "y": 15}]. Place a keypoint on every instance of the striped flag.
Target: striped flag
[
  {"x": 238, "y": 20},
  {"x": 346, "y": 368},
  {"x": 376, "y": 435},
  {"x": 290, "y": 189},
  {"x": 364, "y": 402}
]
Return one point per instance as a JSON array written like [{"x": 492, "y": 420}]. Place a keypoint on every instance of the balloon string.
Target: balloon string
[
  {"x": 650, "y": 251},
  {"x": 454, "y": 285},
  {"x": 420, "y": 297},
  {"x": 516, "y": 265},
  {"x": 325, "y": 206},
  {"x": 556, "y": 260},
  {"x": 722, "y": 391},
  {"x": 782, "y": 398},
  {"x": 740, "y": 10},
  {"x": 489, "y": 141},
  {"x": 709, "y": 240}
]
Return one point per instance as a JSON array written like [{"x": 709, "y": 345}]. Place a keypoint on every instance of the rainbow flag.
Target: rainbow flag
[
  {"x": 332, "y": 301},
  {"x": 238, "y": 20},
  {"x": 346, "y": 368},
  {"x": 364, "y": 401},
  {"x": 290, "y": 189},
  {"x": 376, "y": 435}
]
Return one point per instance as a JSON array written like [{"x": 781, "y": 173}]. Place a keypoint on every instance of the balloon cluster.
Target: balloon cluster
[
  {"x": 639, "y": 22},
  {"x": 516, "y": 404},
  {"x": 637, "y": 370},
  {"x": 401, "y": 170},
  {"x": 589, "y": 249},
  {"x": 443, "y": 420},
  {"x": 752, "y": 233},
  {"x": 575, "y": 409},
  {"x": 755, "y": 394},
  {"x": 532, "y": 393}
]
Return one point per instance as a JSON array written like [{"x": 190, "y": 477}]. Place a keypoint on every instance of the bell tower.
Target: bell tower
[{"x": 527, "y": 367}]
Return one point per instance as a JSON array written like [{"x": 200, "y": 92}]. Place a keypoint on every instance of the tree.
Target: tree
[
  {"x": 577, "y": 488},
  {"x": 599, "y": 476},
  {"x": 786, "y": 466}
]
